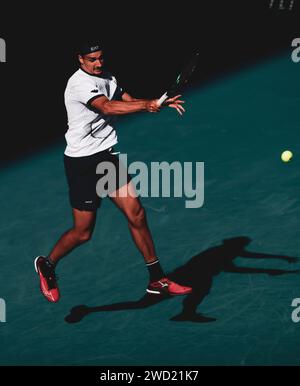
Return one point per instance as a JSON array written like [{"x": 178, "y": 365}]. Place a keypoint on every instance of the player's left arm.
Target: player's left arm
[{"x": 174, "y": 102}]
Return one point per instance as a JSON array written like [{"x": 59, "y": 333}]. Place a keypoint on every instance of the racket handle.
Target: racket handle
[{"x": 162, "y": 99}]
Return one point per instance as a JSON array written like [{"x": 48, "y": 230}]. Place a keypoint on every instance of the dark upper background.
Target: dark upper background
[{"x": 146, "y": 43}]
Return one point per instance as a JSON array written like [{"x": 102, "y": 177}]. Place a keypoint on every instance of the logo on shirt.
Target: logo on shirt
[{"x": 95, "y": 91}]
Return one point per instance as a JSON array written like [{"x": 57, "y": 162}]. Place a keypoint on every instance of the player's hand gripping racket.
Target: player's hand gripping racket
[{"x": 181, "y": 80}]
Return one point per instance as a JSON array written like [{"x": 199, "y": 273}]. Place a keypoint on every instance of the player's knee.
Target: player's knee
[
  {"x": 83, "y": 236},
  {"x": 137, "y": 216}
]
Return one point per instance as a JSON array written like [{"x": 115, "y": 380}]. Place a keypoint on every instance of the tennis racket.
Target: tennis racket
[{"x": 181, "y": 80}]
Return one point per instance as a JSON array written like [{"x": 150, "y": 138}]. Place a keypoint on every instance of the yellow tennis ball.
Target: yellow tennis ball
[{"x": 286, "y": 156}]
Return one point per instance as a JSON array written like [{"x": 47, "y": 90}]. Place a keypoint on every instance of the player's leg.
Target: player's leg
[
  {"x": 81, "y": 178},
  {"x": 131, "y": 206},
  {"x": 81, "y": 232},
  {"x": 125, "y": 199}
]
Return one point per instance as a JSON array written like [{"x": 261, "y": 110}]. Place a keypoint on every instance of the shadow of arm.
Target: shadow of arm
[
  {"x": 255, "y": 255},
  {"x": 272, "y": 272}
]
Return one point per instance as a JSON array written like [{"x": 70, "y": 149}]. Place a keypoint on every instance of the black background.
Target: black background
[{"x": 145, "y": 44}]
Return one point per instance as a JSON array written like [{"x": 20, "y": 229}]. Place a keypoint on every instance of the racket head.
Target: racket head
[{"x": 184, "y": 75}]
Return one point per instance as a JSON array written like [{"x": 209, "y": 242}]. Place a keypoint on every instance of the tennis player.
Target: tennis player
[{"x": 92, "y": 98}]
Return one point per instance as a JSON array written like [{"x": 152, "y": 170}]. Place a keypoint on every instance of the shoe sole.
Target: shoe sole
[
  {"x": 164, "y": 293},
  {"x": 35, "y": 265},
  {"x": 153, "y": 292}
]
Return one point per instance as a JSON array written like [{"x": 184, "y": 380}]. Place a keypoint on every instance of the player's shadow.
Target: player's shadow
[{"x": 197, "y": 273}]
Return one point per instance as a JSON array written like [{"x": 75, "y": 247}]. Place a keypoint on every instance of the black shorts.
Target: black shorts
[{"x": 83, "y": 179}]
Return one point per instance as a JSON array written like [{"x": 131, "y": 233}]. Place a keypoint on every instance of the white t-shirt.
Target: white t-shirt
[{"x": 89, "y": 131}]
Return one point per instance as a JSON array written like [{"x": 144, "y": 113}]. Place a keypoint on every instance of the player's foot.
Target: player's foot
[
  {"x": 47, "y": 276},
  {"x": 165, "y": 286}
]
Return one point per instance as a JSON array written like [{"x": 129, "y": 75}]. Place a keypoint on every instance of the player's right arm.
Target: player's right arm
[
  {"x": 174, "y": 102},
  {"x": 107, "y": 107}
]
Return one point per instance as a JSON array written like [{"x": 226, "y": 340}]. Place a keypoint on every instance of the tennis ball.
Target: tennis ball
[{"x": 286, "y": 156}]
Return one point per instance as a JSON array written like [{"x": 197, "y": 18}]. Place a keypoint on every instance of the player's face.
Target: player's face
[{"x": 92, "y": 63}]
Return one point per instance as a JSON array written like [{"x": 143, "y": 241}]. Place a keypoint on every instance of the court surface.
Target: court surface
[{"x": 238, "y": 125}]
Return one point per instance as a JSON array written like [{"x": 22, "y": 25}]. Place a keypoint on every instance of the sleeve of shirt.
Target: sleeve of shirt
[
  {"x": 88, "y": 91},
  {"x": 119, "y": 91}
]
